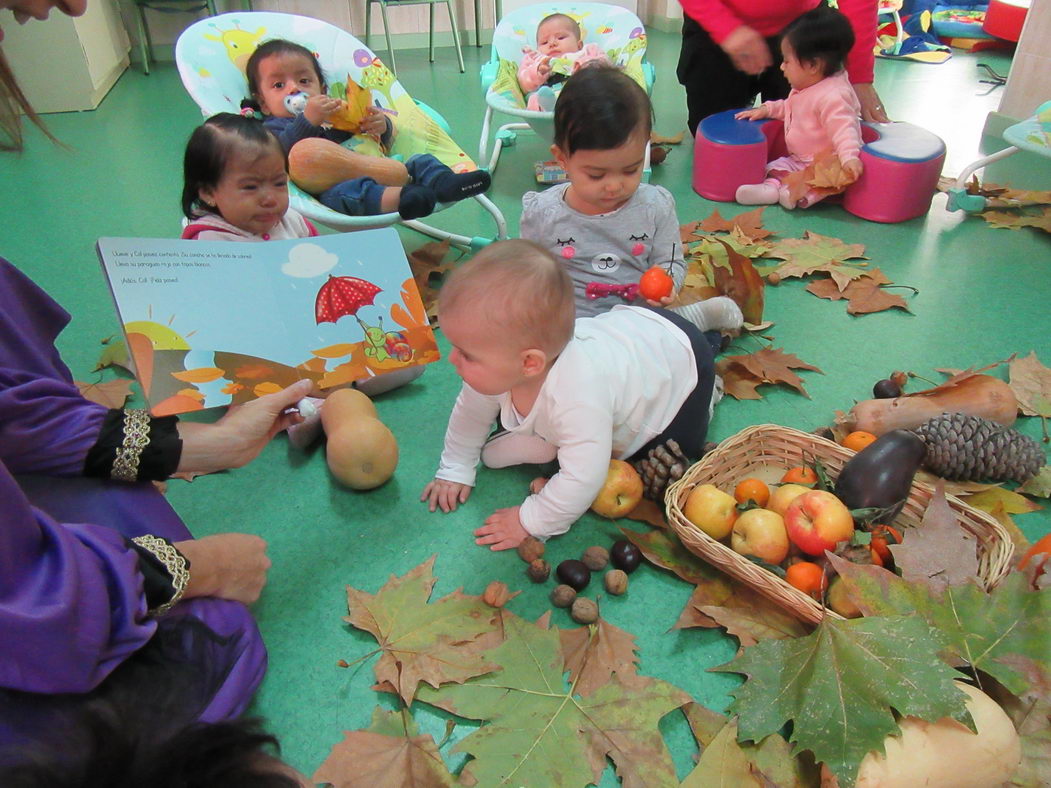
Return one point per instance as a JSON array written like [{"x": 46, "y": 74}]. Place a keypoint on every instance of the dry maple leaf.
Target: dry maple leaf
[
  {"x": 825, "y": 175},
  {"x": 744, "y": 613},
  {"x": 769, "y": 365},
  {"x": 650, "y": 512},
  {"x": 815, "y": 253},
  {"x": 939, "y": 552},
  {"x": 1015, "y": 220},
  {"x": 748, "y": 224},
  {"x": 739, "y": 280},
  {"x": 111, "y": 394},
  {"x": 1031, "y": 383},
  {"x": 864, "y": 295},
  {"x": 593, "y": 654},
  {"x": 389, "y": 754},
  {"x": 421, "y": 642},
  {"x": 660, "y": 139}
]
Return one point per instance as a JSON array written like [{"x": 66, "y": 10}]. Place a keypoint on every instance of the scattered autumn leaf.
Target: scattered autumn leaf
[
  {"x": 422, "y": 642},
  {"x": 1039, "y": 485},
  {"x": 594, "y": 653},
  {"x": 741, "y": 374},
  {"x": 111, "y": 394},
  {"x": 824, "y": 175},
  {"x": 660, "y": 139},
  {"x": 815, "y": 253},
  {"x": 865, "y": 294},
  {"x": 650, "y": 512},
  {"x": 1018, "y": 539},
  {"x": 557, "y": 737},
  {"x": 939, "y": 552},
  {"x": 747, "y": 223},
  {"x": 1039, "y": 217},
  {"x": 988, "y": 631},
  {"x": 723, "y": 762},
  {"x": 391, "y": 753},
  {"x": 842, "y": 687},
  {"x": 1031, "y": 382},
  {"x": 998, "y": 497},
  {"x": 740, "y": 281},
  {"x": 743, "y": 612},
  {"x": 664, "y": 549}
]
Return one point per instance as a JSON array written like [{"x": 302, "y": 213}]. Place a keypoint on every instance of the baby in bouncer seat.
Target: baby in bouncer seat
[{"x": 560, "y": 52}]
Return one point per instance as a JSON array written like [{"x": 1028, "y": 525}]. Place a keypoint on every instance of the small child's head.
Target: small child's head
[
  {"x": 234, "y": 167},
  {"x": 603, "y": 120},
  {"x": 557, "y": 34},
  {"x": 508, "y": 313},
  {"x": 279, "y": 68},
  {"x": 815, "y": 46}
]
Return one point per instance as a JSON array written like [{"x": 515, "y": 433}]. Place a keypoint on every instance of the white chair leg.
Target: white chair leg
[{"x": 430, "y": 34}]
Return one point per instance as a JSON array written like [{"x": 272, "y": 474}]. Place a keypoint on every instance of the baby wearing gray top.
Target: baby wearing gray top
[{"x": 614, "y": 248}]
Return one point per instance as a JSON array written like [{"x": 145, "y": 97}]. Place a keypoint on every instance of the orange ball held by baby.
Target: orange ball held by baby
[
  {"x": 621, "y": 492},
  {"x": 656, "y": 284},
  {"x": 361, "y": 452}
]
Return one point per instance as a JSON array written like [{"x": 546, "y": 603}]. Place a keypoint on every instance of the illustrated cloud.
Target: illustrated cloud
[{"x": 307, "y": 260}]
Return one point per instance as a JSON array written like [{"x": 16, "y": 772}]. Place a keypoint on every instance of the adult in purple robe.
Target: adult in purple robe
[{"x": 73, "y": 597}]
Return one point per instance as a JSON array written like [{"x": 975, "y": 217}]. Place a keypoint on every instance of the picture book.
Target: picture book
[{"x": 212, "y": 323}]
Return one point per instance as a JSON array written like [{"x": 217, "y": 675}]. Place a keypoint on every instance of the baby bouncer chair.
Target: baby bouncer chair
[
  {"x": 1032, "y": 134},
  {"x": 616, "y": 31},
  {"x": 211, "y": 56}
]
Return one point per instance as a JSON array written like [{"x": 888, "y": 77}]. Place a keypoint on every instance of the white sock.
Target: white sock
[
  {"x": 717, "y": 394},
  {"x": 786, "y": 200},
  {"x": 307, "y": 431},
  {"x": 720, "y": 313},
  {"x": 764, "y": 193},
  {"x": 509, "y": 448}
]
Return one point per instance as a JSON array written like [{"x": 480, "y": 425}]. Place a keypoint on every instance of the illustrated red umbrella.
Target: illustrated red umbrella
[{"x": 341, "y": 296}]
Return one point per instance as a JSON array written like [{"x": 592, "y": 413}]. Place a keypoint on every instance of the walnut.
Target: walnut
[
  {"x": 584, "y": 611},
  {"x": 538, "y": 570},
  {"x": 616, "y": 581},
  {"x": 563, "y": 596},
  {"x": 530, "y": 549},
  {"x": 595, "y": 558}
]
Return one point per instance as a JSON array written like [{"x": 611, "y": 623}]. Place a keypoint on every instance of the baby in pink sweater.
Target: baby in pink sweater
[
  {"x": 559, "y": 52},
  {"x": 821, "y": 113}
]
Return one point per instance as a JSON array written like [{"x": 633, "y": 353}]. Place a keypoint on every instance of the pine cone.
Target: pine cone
[
  {"x": 661, "y": 466},
  {"x": 970, "y": 448}
]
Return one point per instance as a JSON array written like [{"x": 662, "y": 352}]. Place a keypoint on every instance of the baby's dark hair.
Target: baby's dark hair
[
  {"x": 567, "y": 19},
  {"x": 276, "y": 46},
  {"x": 601, "y": 108},
  {"x": 209, "y": 150},
  {"x": 824, "y": 36}
]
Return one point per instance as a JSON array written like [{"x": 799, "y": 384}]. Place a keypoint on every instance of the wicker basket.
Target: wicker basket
[{"x": 768, "y": 445}]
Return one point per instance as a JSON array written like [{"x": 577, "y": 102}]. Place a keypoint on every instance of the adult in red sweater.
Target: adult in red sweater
[{"x": 731, "y": 52}]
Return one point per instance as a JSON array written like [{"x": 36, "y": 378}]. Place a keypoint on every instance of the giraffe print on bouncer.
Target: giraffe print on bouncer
[{"x": 239, "y": 44}]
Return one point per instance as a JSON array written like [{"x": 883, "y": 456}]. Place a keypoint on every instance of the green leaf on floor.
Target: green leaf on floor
[{"x": 841, "y": 687}]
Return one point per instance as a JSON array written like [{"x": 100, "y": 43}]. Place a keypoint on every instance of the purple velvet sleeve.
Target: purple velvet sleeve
[
  {"x": 45, "y": 425},
  {"x": 71, "y": 600}
]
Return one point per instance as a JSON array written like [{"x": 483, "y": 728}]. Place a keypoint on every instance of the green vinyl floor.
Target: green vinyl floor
[{"x": 983, "y": 294}]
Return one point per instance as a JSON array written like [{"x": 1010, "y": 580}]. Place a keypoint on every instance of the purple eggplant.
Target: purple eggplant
[{"x": 880, "y": 475}]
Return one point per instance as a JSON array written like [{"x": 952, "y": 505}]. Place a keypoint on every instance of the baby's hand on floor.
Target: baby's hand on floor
[
  {"x": 502, "y": 530},
  {"x": 853, "y": 167},
  {"x": 445, "y": 495}
]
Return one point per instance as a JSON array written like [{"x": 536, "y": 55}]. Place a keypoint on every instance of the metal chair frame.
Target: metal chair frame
[{"x": 386, "y": 27}]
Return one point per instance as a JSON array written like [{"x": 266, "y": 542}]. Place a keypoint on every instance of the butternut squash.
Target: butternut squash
[
  {"x": 946, "y": 754},
  {"x": 362, "y": 454},
  {"x": 344, "y": 406},
  {"x": 980, "y": 395},
  {"x": 315, "y": 165}
]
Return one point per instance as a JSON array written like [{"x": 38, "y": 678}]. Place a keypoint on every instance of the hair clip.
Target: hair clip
[{"x": 254, "y": 114}]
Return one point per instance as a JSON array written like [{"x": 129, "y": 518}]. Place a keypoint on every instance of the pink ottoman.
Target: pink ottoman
[{"x": 902, "y": 164}]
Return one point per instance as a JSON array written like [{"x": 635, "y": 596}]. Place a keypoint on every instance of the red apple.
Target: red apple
[
  {"x": 761, "y": 533},
  {"x": 621, "y": 492},
  {"x": 711, "y": 510},
  {"x": 817, "y": 521},
  {"x": 782, "y": 496}
]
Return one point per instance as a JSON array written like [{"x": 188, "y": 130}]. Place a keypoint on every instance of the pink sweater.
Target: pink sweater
[
  {"x": 769, "y": 17},
  {"x": 825, "y": 115},
  {"x": 529, "y": 77}
]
